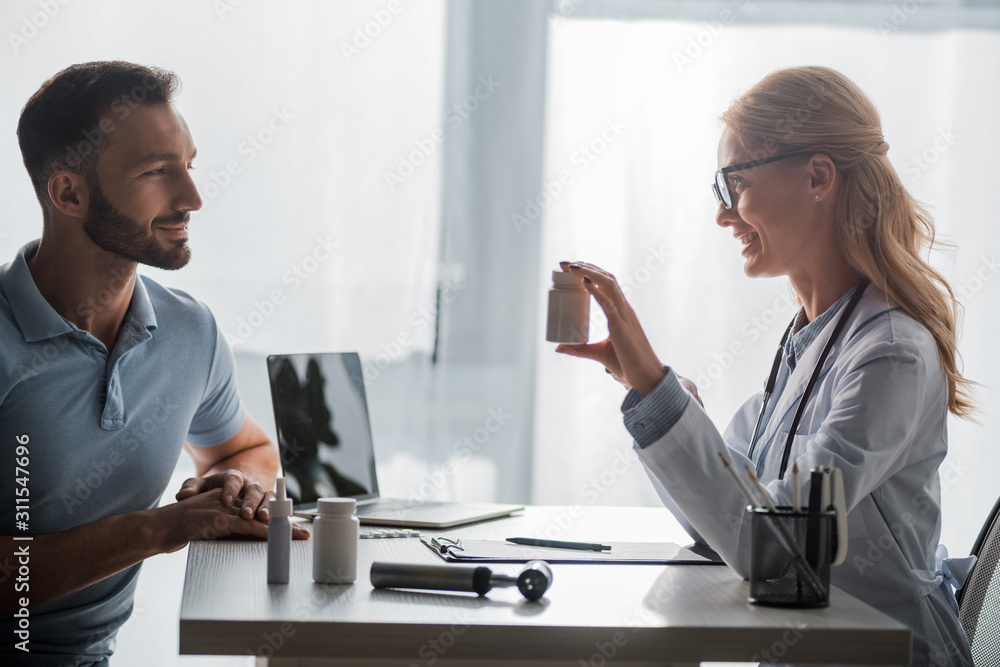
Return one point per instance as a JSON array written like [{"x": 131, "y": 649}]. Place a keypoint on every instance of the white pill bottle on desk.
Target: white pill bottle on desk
[
  {"x": 569, "y": 309},
  {"x": 335, "y": 535}
]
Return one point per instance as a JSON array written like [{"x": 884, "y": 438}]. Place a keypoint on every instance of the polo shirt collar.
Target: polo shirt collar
[
  {"x": 39, "y": 321},
  {"x": 141, "y": 308},
  {"x": 35, "y": 317}
]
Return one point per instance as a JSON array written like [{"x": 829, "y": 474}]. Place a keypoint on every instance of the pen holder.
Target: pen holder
[{"x": 790, "y": 557}]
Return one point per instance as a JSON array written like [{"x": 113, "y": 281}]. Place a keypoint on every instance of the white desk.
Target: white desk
[{"x": 593, "y": 614}]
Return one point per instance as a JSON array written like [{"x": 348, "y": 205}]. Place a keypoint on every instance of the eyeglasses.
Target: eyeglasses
[{"x": 721, "y": 186}]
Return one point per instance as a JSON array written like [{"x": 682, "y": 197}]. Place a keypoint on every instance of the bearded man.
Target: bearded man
[{"x": 105, "y": 375}]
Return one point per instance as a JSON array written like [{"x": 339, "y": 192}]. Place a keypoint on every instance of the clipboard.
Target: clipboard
[{"x": 495, "y": 551}]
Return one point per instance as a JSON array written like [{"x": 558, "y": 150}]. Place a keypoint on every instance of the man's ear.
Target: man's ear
[
  {"x": 69, "y": 193},
  {"x": 822, "y": 175}
]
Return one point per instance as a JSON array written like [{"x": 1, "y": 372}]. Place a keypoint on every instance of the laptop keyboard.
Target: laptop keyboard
[{"x": 381, "y": 509}]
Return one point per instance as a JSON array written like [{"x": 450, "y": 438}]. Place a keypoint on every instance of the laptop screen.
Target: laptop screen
[{"x": 324, "y": 434}]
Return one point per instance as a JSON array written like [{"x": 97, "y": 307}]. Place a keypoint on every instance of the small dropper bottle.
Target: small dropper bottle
[{"x": 279, "y": 535}]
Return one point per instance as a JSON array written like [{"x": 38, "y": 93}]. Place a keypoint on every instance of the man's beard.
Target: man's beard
[{"x": 115, "y": 232}]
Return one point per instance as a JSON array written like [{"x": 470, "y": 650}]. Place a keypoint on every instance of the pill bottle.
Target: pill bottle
[
  {"x": 569, "y": 309},
  {"x": 335, "y": 541}
]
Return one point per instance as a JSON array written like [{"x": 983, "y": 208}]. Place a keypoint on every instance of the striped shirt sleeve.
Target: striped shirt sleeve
[{"x": 651, "y": 417}]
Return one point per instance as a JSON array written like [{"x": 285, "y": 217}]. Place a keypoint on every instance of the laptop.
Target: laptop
[{"x": 325, "y": 440}]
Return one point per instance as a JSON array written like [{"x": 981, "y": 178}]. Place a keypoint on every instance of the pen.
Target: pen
[
  {"x": 840, "y": 507},
  {"x": 765, "y": 496},
  {"x": 736, "y": 479},
  {"x": 824, "y": 496},
  {"x": 812, "y": 523},
  {"x": 796, "y": 491},
  {"x": 558, "y": 544}
]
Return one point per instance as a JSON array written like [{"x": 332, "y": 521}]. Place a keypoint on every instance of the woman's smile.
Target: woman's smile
[{"x": 748, "y": 240}]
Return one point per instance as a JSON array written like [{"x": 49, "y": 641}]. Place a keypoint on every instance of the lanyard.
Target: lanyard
[{"x": 772, "y": 378}]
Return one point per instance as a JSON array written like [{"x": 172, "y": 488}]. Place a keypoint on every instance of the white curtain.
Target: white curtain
[{"x": 634, "y": 95}]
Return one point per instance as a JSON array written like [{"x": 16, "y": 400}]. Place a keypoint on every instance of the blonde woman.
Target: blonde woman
[{"x": 865, "y": 376}]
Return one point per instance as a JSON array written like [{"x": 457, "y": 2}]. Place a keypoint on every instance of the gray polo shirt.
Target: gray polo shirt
[{"x": 104, "y": 433}]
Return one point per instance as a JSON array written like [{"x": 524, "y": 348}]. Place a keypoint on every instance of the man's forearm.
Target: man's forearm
[
  {"x": 260, "y": 463},
  {"x": 64, "y": 562},
  {"x": 247, "y": 464}
]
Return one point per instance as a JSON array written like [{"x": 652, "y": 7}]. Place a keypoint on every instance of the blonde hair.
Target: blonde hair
[{"x": 883, "y": 230}]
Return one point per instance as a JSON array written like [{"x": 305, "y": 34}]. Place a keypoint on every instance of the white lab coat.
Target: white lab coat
[{"x": 877, "y": 412}]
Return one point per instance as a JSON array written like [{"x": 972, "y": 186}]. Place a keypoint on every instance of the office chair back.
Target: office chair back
[{"x": 979, "y": 600}]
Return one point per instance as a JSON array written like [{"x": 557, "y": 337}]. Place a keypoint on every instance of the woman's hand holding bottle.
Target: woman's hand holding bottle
[{"x": 626, "y": 353}]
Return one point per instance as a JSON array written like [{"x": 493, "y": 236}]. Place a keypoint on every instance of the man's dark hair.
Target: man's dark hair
[{"x": 67, "y": 122}]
